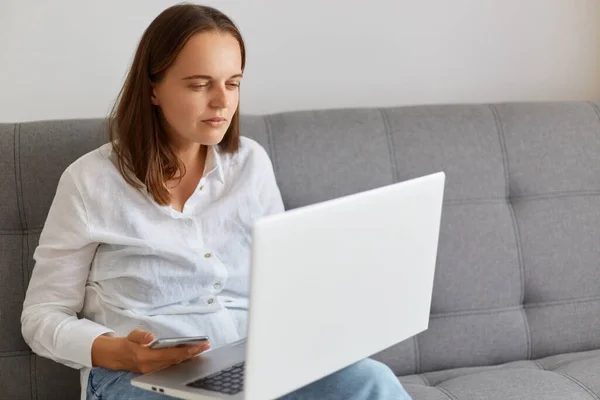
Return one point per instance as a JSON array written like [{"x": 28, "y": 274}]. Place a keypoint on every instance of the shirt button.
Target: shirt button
[
  {"x": 210, "y": 301},
  {"x": 201, "y": 187},
  {"x": 188, "y": 222},
  {"x": 217, "y": 286},
  {"x": 207, "y": 255}
]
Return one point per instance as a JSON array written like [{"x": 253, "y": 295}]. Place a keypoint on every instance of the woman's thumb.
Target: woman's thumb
[{"x": 141, "y": 337}]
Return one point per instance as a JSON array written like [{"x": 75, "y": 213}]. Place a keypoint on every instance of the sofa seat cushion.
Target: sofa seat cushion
[{"x": 571, "y": 376}]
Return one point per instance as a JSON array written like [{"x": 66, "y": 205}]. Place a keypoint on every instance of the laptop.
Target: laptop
[{"x": 331, "y": 283}]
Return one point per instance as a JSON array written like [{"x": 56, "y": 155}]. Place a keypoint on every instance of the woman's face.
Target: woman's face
[{"x": 199, "y": 92}]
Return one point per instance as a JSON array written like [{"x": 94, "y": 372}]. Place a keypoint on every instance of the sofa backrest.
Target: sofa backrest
[{"x": 518, "y": 274}]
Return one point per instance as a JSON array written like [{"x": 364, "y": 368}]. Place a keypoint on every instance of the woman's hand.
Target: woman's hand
[{"x": 132, "y": 353}]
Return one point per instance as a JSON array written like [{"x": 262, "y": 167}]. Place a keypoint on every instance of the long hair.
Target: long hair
[{"x": 138, "y": 139}]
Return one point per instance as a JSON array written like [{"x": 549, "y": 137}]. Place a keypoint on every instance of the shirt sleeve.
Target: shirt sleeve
[
  {"x": 269, "y": 193},
  {"x": 55, "y": 295}
]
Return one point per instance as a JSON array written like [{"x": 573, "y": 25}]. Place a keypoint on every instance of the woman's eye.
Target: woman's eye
[{"x": 233, "y": 85}]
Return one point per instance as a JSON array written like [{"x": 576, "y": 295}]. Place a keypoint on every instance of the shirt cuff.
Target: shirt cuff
[{"x": 76, "y": 339}]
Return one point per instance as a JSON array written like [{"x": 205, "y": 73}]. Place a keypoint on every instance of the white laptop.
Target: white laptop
[{"x": 331, "y": 283}]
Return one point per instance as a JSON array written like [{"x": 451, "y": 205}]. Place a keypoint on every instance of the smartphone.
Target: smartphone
[{"x": 177, "y": 341}]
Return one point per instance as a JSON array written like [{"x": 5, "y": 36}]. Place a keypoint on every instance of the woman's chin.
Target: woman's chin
[{"x": 211, "y": 138}]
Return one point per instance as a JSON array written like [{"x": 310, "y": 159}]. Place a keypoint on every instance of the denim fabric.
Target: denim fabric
[{"x": 364, "y": 380}]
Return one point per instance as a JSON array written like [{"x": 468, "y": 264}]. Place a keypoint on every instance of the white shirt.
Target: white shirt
[{"x": 110, "y": 259}]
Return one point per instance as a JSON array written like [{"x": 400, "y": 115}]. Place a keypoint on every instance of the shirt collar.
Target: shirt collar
[{"x": 214, "y": 162}]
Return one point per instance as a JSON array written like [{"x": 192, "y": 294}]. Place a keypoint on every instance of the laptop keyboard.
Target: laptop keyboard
[{"x": 227, "y": 381}]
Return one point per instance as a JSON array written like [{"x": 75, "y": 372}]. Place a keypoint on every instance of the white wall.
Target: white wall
[{"x": 67, "y": 58}]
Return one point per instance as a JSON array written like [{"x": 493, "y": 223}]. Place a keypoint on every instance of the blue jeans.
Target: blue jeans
[{"x": 365, "y": 380}]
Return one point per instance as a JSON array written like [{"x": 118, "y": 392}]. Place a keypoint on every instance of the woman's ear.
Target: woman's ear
[{"x": 153, "y": 96}]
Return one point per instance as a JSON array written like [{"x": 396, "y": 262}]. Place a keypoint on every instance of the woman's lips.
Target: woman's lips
[{"x": 215, "y": 122}]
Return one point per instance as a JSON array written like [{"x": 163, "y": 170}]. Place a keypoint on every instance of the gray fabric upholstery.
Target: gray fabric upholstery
[
  {"x": 516, "y": 305},
  {"x": 567, "y": 376}
]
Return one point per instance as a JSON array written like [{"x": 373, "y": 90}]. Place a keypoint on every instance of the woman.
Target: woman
[{"x": 149, "y": 235}]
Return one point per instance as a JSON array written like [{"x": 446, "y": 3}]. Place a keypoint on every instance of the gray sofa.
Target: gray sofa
[{"x": 516, "y": 302}]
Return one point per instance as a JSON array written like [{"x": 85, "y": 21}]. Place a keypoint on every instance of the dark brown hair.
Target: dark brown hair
[{"x": 140, "y": 143}]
